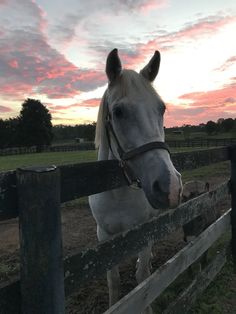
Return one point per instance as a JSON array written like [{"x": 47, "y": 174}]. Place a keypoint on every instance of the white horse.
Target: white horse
[{"x": 130, "y": 129}]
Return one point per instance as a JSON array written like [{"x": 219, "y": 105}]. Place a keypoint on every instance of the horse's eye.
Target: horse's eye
[{"x": 118, "y": 112}]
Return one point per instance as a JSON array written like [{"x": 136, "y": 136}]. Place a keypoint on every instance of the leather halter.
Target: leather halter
[{"x": 124, "y": 156}]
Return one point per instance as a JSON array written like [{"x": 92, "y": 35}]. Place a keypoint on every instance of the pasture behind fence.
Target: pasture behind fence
[
  {"x": 33, "y": 191},
  {"x": 202, "y": 142}
]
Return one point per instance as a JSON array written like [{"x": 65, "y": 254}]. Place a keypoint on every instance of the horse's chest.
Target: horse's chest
[
  {"x": 120, "y": 213},
  {"x": 124, "y": 219}
]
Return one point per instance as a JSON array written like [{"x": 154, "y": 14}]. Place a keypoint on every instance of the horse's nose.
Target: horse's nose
[{"x": 160, "y": 194}]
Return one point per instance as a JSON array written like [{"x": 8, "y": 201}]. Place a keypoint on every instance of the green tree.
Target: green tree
[
  {"x": 227, "y": 124},
  {"x": 211, "y": 127},
  {"x": 9, "y": 132},
  {"x": 35, "y": 124}
]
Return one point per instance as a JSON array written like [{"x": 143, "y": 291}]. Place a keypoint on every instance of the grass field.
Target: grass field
[
  {"x": 58, "y": 158},
  {"x": 12, "y": 162}
]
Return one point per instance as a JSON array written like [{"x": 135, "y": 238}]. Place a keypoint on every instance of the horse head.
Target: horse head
[{"x": 134, "y": 129}]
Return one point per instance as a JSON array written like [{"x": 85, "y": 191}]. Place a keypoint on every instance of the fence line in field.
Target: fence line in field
[
  {"x": 90, "y": 146},
  {"x": 42, "y": 188}
]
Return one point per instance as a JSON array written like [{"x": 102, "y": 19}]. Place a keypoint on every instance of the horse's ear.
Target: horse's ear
[
  {"x": 151, "y": 69},
  {"x": 113, "y": 65}
]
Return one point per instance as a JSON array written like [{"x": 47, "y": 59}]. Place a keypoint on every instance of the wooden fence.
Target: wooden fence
[
  {"x": 34, "y": 194},
  {"x": 90, "y": 146},
  {"x": 53, "y": 148},
  {"x": 202, "y": 142}
]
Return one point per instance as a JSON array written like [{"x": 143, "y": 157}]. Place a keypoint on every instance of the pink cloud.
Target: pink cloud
[
  {"x": 29, "y": 65},
  {"x": 13, "y": 64},
  {"x": 227, "y": 64},
  {"x": 92, "y": 102},
  {"x": 166, "y": 41},
  {"x": 5, "y": 109},
  {"x": 152, "y": 4},
  {"x": 203, "y": 106},
  {"x": 212, "y": 98}
]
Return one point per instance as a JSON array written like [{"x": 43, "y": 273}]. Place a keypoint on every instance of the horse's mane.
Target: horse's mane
[
  {"x": 127, "y": 82},
  {"x": 100, "y": 126}
]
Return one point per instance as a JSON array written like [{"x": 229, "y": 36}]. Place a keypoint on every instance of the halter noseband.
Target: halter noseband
[{"x": 124, "y": 156}]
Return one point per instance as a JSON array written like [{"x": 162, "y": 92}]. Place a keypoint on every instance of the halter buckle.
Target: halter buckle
[{"x": 133, "y": 183}]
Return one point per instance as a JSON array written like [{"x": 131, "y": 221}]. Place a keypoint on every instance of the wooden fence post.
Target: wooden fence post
[
  {"x": 42, "y": 277},
  {"x": 232, "y": 157}
]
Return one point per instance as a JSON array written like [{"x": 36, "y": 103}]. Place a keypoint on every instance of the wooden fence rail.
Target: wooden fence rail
[
  {"x": 187, "y": 298},
  {"x": 140, "y": 297},
  {"x": 78, "y": 180},
  {"x": 202, "y": 142},
  {"x": 17, "y": 194}
]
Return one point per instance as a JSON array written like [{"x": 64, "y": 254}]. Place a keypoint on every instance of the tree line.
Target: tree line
[
  {"x": 222, "y": 125},
  {"x": 68, "y": 132},
  {"x": 33, "y": 127},
  {"x": 211, "y": 128}
]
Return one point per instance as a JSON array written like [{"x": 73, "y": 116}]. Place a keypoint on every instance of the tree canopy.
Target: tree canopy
[{"x": 35, "y": 126}]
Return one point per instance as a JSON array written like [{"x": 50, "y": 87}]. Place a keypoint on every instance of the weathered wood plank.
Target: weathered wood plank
[
  {"x": 90, "y": 178},
  {"x": 146, "y": 292},
  {"x": 78, "y": 180},
  {"x": 95, "y": 177},
  {"x": 93, "y": 262},
  {"x": 41, "y": 271},
  {"x": 10, "y": 297},
  {"x": 189, "y": 296}
]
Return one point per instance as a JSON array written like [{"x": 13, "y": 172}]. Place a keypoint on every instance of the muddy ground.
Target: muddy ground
[{"x": 79, "y": 231}]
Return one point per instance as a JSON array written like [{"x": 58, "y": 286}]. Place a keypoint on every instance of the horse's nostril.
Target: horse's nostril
[
  {"x": 156, "y": 186},
  {"x": 161, "y": 196}
]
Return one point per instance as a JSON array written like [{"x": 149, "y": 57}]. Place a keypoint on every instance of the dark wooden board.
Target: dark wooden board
[{"x": 94, "y": 177}]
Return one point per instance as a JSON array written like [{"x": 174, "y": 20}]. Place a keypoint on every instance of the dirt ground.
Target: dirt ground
[{"x": 79, "y": 231}]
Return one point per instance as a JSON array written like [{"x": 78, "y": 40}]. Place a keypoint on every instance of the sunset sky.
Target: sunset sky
[{"x": 55, "y": 51}]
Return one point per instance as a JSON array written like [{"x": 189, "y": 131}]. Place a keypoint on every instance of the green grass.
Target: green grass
[
  {"x": 219, "y": 296},
  {"x": 203, "y": 173},
  {"x": 12, "y": 162},
  {"x": 188, "y": 149},
  {"x": 58, "y": 158}
]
